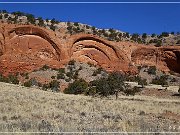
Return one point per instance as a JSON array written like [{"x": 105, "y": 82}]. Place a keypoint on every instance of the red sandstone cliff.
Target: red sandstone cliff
[{"x": 24, "y": 48}]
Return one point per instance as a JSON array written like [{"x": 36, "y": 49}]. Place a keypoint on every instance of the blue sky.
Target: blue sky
[{"x": 133, "y": 18}]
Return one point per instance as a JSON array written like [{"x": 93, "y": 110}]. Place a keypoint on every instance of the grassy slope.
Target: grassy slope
[{"x": 30, "y": 109}]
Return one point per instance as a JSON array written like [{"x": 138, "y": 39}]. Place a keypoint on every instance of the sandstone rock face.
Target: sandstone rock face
[{"x": 24, "y": 48}]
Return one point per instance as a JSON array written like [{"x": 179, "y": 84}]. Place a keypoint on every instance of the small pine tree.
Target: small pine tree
[
  {"x": 153, "y": 35},
  {"x": 144, "y": 35}
]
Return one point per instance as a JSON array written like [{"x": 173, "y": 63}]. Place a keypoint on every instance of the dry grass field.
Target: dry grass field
[{"x": 32, "y": 110}]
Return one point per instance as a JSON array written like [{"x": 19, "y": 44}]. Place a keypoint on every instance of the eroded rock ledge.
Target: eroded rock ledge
[{"x": 24, "y": 48}]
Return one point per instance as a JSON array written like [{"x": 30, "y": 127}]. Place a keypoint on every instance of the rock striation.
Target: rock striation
[{"x": 24, "y": 48}]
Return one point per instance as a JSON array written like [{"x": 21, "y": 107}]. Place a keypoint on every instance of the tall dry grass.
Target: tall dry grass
[{"x": 33, "y": 110}]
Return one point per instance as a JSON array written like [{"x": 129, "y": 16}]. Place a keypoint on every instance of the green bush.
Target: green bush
[
  {"x": 41, "y": 21},
  {"x": 91, "y": 91},
  {"x": 28, "y": 84},
  {"x": 3, "y": 79},
  {"x": 31, "y": 82},
  {"x": 77, "y": 87},
  {"x": 26, "y": 76},
  {"x": 45, "y": 67},
  {"x": 135, "y": 37},
  {"x": 45, "y": 86},
  {"x": 61, "y": 70},
  {"x": 13, "y": 79},
  {"x": 152, "y": 70},
  {"x": 5, "y": 15},
  {"x": 130, "y": 91},
  {"x": 75, "y": 76},
  {"x": 162, "y": 80},
  {"x": 144, "y": 35},
  {"x": 69, "y": 74},
  {"x": 10, "y": 79},
  {"x": 159, "y": 43},
  {"x": 30, "y": 18},
  {"x": 39, "y": 84},
  {"x": 60, "y": 76},
  {"x": 102, "y": 87},
  {"x": 52, "y": 27},
  {"x": 142, "y": 82},
  {"x": 153, "y": 35},
  {"x": 109, "y": 86},
  {"x": 96, "y": 72},
  {"x": 71, "y": 62},
  {"x": 76, "y": 24},
  {"x": 54, "y": 85},
  {"x": 53, "y": 77},
  {"x": 68, "y": 79},
  {"x": 165, "y": 34}
]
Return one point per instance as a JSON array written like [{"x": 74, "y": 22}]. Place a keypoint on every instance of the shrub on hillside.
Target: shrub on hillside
[
  {"x": 102, "y": 87},
  {"x": 27, "y": 84},
  {"x": 10, "y": 79},
  {"x": 32, "y": 82},
  {"x": 30, "y": 18},
  {"x": 77, "y": 87},
  {"x": 158, "y": 43},
  {"x": 53, "y": 77},
  {"x": 69, "y": 74},
  {"x": 52, "y": 27},
  {"x": 152, "y": 70},
  {"x": 132, "y": 91},
  {"x": 68, "y": 79},
  {"x": 60, "y": 76},
  {"x": 45, "y": 87},
  {"x": 109, "y": 86},
  {"x": 75, "y": 76},
  {"x": 13, "y": 79},
  {"x": 97, "y": 71},
  {"x": 76, "y": 24},
  {"x": 26, "y": 75},
  {"x": 144, "y": 35},
  {"x": 45, "y": 67},
  {"x": 91, "y": 91},
  {"x": 165, "y": 34},
  {"x": 71, "y": 62},
  {"x": 153, "y": 35},
  {"x": 54, "y": 85},
  {"x": 162, "y": 80},
  {"x": 41, "y": 21},
  {"x": 142, "y": 82},
  {"x": 3, "y": 78},
  {"x": 61, "y": 70},
  {"x": 135, "y": 37}
]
